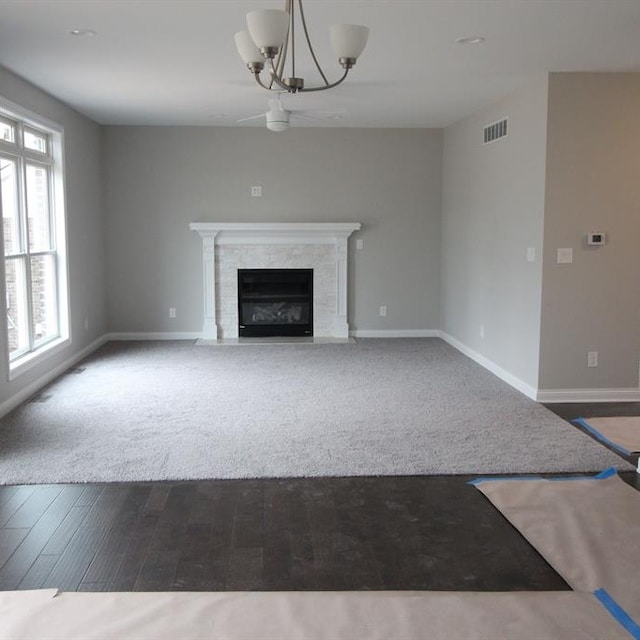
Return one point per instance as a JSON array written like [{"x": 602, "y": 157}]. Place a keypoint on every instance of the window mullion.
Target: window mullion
[
  {"x": 27, "y": 270},
  {"x": 51, "y": 212},
  {"x": 22, "y": 207},
  {"x": 25, "y": 239},
  {"x": 15, "y": 256}
]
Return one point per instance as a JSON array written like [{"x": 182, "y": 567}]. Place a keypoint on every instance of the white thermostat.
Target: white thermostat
[{"x": 596, "y": 239}]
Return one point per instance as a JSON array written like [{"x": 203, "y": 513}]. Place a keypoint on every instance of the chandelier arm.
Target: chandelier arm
[
  {"x": 326, "y": 86},
  {"x": 293, "y": 39},
  {"x": 306, "y": 35},
  {"x": 282, "y": 56},
  {"x": 277, "y": 80},
  {"x": 268, "y": 87},
  {"x": 280, "y": 66}
]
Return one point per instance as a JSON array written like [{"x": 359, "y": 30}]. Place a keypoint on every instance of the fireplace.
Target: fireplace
[
  {"x": 275, "y": 302},
  {"x": 230, "y": 246}
]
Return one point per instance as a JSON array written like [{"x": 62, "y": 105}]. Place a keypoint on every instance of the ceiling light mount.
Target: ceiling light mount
[{"x": 270, "y": 40}]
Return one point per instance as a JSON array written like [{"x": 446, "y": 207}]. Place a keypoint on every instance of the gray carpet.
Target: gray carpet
[{"x": 158, "y": 410}]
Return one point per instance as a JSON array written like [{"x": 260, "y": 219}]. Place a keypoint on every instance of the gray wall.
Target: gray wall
[
  {"x": 85, "y": 229},
  {"x": 493, "y": 210},
  {"x": 158, "y": 179},
  {"x": 455, "y": 271},
  {"x": 593, "y": 184}
]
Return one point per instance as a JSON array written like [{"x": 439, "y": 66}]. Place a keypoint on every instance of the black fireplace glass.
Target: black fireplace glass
[{"x": 275, "y": 302}]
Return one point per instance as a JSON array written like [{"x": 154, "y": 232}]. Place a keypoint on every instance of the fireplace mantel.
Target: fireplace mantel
[{"x": 274, "y": 234}]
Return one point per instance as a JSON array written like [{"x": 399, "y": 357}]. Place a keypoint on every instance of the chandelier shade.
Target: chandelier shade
[
  {"x": 247, "y": 48},
  {"x": 270, "y": 42},
  {"x": 268, "y": 27},
  {"x": 348, "y": 40}
]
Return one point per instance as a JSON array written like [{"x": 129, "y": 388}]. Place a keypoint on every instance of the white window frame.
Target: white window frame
[{"x": 55, "y": 156}]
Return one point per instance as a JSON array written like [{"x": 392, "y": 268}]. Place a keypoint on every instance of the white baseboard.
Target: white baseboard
[
  {"x": 36, "y": 385},
  {"x": 553, "y": 396},
  {"x": 497, "y": 370},
  {"x": 549, "y": 396},
  {"x": 156, "y": 335},
  {"x": 395, "y": 333}
]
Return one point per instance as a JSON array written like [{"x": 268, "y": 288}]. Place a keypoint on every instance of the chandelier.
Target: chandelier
[{"x": 271, "y": 40}]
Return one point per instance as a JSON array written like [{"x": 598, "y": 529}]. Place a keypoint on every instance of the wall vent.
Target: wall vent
[{"x": 495, "y": 131}]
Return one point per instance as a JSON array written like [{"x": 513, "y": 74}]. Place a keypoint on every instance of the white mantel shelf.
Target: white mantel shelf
[
  {"x": 214, "y": 234},
  {"x": 275, "y": 232}
]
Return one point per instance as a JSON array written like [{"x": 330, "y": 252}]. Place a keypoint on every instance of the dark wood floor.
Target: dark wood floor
[
  {"x": 436, "y": 533},
  {"x": 571, "y": 411}
]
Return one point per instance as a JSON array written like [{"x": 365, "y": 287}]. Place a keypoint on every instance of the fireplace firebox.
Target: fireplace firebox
[{"x": 275, "y": 302}]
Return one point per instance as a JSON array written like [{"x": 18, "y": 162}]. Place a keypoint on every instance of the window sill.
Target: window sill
[{"x": 31, "y": 360}]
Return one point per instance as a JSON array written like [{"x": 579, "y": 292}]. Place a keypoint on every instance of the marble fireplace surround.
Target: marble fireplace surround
[{"x": 229, "y": 246}]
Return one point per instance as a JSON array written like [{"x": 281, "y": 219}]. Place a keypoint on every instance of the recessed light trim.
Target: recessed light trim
[
  {"x": 82, "y": 33},
  {"x": 470, "y": 40}
]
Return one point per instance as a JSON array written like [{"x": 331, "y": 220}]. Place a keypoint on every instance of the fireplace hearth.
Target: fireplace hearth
[{"x": 275, "y": 302}]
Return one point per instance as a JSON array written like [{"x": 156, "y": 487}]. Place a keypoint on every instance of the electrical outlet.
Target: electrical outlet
[
  {"x": 256, "y": 192},
  {"x": 172, "y": 312},
  {"x": 383, "y": 310},
  {"x": 359, "y": 244},
  {"x": 592, "y": 359}
]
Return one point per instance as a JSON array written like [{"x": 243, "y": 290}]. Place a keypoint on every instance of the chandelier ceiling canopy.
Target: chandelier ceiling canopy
[{"x": 270, "y": 42}]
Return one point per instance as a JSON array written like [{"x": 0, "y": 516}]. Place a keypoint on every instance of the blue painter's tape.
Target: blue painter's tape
[
  {"x": 585, "y": 425},
  {"x": 603, "y": 475},
  {"x": 618, "y": 613},
  {"x": 607, "y": 473},
  {"x": 482, "y": 479}
]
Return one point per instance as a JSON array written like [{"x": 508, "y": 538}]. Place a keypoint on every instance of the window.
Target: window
[
  {"x": 7, "y": 130},
  {"x": 33, "y": 237}
]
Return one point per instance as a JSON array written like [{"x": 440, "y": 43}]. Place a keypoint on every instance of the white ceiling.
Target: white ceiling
[{"x": 174, "y": 61}]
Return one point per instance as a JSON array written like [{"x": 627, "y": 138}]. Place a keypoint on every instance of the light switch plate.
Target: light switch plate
[
  {"x": 565, "y": 255},
  {"x": 531, "y": 254}
]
